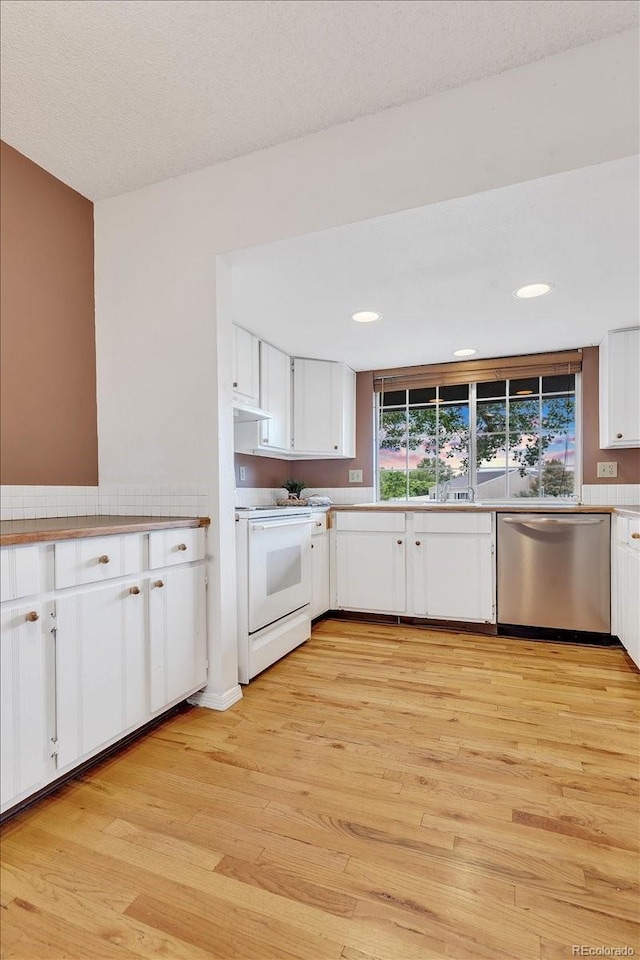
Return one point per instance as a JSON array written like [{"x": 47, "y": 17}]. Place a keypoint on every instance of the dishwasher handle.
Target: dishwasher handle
[{"x": 552, "y": 521}]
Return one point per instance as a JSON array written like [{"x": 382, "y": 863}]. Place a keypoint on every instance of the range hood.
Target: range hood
[{"x": 244, "y": 414}]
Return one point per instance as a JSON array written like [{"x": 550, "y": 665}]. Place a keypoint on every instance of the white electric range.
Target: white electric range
[{"x": 273, "y": 556}]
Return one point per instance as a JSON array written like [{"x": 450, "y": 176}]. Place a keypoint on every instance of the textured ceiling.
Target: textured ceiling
[
  {"x": 443, "y": 276},
  {"x": 111, "y": 95}
]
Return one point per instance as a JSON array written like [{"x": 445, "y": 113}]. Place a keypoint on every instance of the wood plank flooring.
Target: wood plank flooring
[{"x": 383, "y": 792}]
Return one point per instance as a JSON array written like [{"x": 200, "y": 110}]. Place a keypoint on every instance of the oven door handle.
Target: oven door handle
[{"x": 280, "y": 523}]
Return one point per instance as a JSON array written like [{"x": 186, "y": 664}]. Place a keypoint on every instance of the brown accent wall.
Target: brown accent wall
[
  {"x": 628, "y": 460},
  {"x": 260, "y": 471},
  {"x": 48, "y": 417}
]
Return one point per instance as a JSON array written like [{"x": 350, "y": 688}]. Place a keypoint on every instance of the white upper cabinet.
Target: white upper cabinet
[
  {"x": 620, "y": 389},
  {"x": 246, "y": 367},
  {"x": 275, "y": 398},
  {"x": 324, "y": 395},
  {"x": 272, "y": 437}
]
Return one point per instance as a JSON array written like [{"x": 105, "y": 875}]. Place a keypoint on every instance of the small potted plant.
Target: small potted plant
[{"x": 294, "y": 488}]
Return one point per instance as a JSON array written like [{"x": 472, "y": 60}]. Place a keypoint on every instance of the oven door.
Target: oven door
[{"x": 279, "y": 569}]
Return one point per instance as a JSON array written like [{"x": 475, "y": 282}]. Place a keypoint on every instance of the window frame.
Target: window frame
[{"x": 472, "y": 451}]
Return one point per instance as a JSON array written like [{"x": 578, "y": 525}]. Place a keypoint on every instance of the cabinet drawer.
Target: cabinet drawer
[
  {"x": 319, "y": 524},
  {"x": 19, "y": 572},
  {"x": 170, "y": 547},
  {"x": 452, "y": 522},
  {"x": 96, "y": 559},
  {"x": 374, "y": 522}
]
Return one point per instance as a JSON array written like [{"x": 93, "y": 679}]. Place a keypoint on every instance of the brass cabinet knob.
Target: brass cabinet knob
[
  {"x": 235, "y": 383},
  {"x": 618, "y": 436},
  {"x": 399, "y": 542},
  {"x": 182, "y": 546},
  {"x": 635, "y": 536},
  {"x": 159, "y": 583},
  {"x": 312, "y": 546},
  {"x": 134, "y": 590},
  {"x": 318, "y": 523},
  {"x": 335, "y": 446},
  {"x": 418, "y": 542},
  {"x": 32, "y": 616},
  {"x": 103, "y": 559}
]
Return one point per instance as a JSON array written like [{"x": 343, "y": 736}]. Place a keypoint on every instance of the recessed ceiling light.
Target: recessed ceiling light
[
  {"x": 467, "y": 352},
  {"x": 532, "y": 290},
  {"x": 365, "y": 316}
]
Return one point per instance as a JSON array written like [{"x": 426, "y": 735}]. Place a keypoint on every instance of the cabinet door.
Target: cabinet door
[
  {"x": 246, "y": 368},
  {"x": 323, "y": 408},
  {"x": 319, "y": 574},
  {"x": 101, "y": 666},
  {"x": 370, "y": 572},
  {"x": 453, "y": 576},
  {"x": 620, "y": 389},
  {"x": 27, "y": 674},
  {"x": 629, "y": 602},
  {"x": 177, "y": 634},
  {"x": 275, "y": 397}
]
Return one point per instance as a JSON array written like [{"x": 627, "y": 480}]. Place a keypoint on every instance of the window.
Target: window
[{"x": 506, "y": 439}]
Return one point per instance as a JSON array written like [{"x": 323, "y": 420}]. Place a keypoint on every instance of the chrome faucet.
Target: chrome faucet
[
  {"x": 443, "y": 493},
  {"x": 471, "y": 494}
]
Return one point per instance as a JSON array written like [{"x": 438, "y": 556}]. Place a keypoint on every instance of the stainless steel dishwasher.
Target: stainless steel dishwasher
[{"x": 554, "y": 571}]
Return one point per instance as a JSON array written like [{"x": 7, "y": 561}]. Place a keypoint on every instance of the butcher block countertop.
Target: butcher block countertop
[
  {"x": 14, "y": 532},
  {"x": 486, "y": 508}
]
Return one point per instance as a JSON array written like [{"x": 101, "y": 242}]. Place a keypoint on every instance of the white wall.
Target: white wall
[{"x": 160, "y": 343}]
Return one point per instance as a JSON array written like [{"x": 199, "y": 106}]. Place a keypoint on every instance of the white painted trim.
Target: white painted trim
[{"x": 217, "y": 701}]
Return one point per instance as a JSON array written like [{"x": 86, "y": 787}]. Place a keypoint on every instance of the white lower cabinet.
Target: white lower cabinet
[
  {"x": 28, "y": 691},
  {"x": 101, "y": 667},
  {"x": 85, "y": 665},
  {"x": 177, "y": 633},
  {"x": 625, "y": 588},
  {"x": 452, "y": 563},
  {"x": 370, "y": 562},
  {"x": 320, "y": 597},
  {"x": 438, "y": 566}
]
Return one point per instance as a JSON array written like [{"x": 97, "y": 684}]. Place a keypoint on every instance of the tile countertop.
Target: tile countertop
[
  {"x": 74, "y": 528},
  {"x": 627, "y": 510}
]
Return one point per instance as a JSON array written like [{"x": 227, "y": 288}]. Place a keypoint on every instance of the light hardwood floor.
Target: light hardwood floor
[{"x": 383, "y": 792}]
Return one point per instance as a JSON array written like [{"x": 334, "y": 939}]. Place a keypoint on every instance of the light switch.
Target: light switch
[
  {"x": 355, "y": 476},
  {"x": 607, "y": 468},
  {"x": 243, "y": 473}
]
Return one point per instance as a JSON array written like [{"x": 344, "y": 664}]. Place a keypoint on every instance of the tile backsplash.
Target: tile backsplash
[
  {"x": 259, "y": 496},
  {"x": 27, "y": 503},
  {"x": 611, "y": 494}
]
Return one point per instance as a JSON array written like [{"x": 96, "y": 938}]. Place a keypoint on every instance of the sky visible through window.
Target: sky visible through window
[{"x": 507, "y": 439}]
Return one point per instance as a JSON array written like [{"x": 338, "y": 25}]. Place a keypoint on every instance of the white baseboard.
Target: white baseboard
[{"x": 217, "y": 701}]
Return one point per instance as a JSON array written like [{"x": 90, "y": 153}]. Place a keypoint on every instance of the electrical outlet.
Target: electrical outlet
[
  {"x": 242, "y": 472},
  {"x": 355, "y": 476},
  {"x": 607, "y": 468}
]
